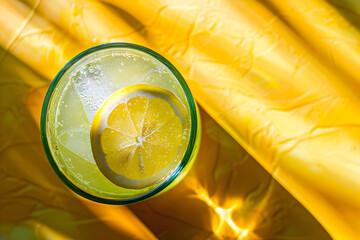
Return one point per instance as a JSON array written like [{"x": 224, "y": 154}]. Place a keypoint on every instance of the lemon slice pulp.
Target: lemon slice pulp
[{"x": 139, "y": 135}]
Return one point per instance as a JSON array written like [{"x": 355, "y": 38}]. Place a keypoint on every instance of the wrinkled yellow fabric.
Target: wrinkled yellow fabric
[{"x": 281, "y": 77}]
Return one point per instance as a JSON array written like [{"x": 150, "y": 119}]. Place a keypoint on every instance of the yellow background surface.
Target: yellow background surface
[{"x": 279, "y": 77}]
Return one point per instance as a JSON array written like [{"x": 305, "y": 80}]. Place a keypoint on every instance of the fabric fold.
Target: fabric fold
[{"x": 280, "y": 78}]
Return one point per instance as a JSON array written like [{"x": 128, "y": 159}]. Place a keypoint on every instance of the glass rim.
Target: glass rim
[{"x": 193, "y": 130}]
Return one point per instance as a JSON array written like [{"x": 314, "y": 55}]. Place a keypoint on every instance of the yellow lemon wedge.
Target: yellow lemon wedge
[{"x": 139, "y": 135}]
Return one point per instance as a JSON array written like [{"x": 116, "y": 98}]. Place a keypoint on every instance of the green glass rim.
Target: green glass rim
[{"x": 193, "y": 130}]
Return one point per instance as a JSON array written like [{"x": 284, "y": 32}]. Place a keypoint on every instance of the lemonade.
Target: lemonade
[{"x": 119, "y": 124}]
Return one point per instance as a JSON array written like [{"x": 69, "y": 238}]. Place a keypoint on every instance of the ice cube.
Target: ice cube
[
  {"x": 92, "y": 87},
  {"x": 77, "y": 140},
  {"x": 69, "y": 112},
  {"x": 150, "y": 77},
  {"x": 161, "y": 77}
]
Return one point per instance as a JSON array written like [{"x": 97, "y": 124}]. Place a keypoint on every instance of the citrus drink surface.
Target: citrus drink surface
[{"x": 118, "y": 124}]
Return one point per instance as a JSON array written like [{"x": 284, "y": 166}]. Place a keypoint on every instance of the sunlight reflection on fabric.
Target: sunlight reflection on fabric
[{"x": 225, "y": 217}]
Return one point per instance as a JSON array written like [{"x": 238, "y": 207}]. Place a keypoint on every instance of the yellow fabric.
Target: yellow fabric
[{"x": 279, "y": 77}]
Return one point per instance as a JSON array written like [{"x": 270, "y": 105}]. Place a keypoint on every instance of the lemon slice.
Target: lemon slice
[{"x": 139, "y": 135}]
